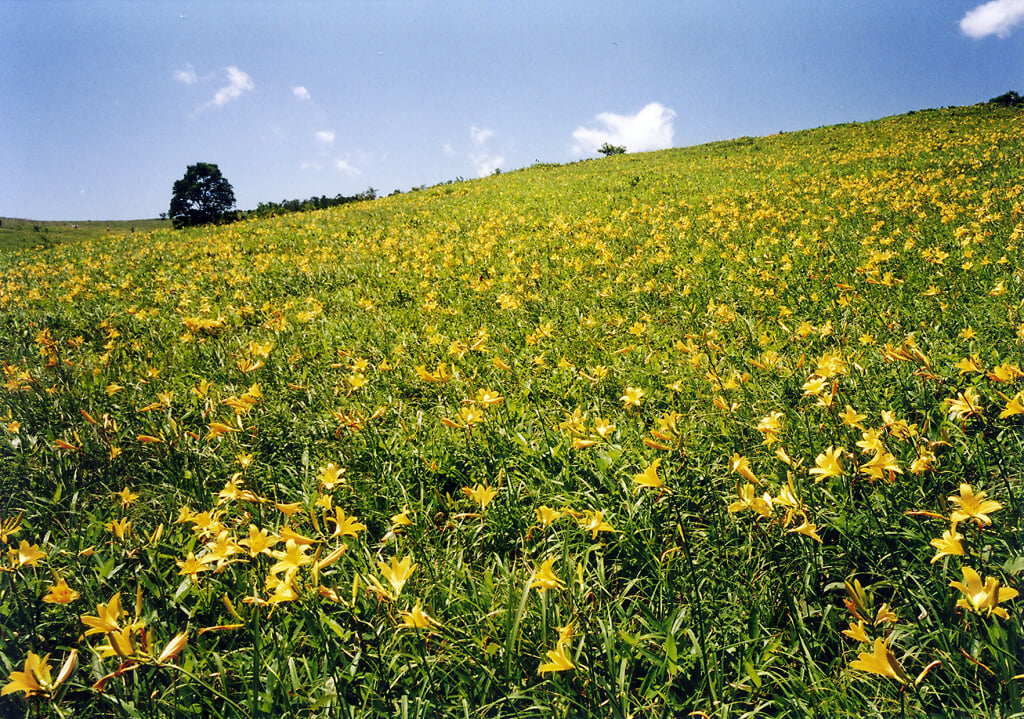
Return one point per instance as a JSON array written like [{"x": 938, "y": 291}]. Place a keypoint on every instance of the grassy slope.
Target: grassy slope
[
  {"x": 16, "y": 233},
  {"x": 719, "y": 279}
]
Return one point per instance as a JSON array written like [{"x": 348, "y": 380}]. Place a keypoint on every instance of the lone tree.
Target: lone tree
[
  {"x": 202, "y": 196},
  {"x": 610, "y": 149}
]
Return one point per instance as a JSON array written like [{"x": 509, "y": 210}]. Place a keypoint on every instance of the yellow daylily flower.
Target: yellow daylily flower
[
  {"x": 107, "y": 619},
  {"x": 881, "y": 661},
  {"x": 27, "y": 554},
  {"x": 741, "y": 465},
  {"x": 416, "y": 618},
  {"x": 546, "y": 515},
  {"x": 330, "y": 476},
  {"x": 61, "y": 593},
  {"x": 481, "y": 494},
  {"x": 544, "y": 577},
  {"x": 34, "y": 680},
  {"x": 948, "y": 544},
  {"x": 344, "y": 525},
  {"x": 293, "y": 557},
  {"x": 827, "y": 463},
  {"x": 593, "y": 522},
  {"x": 398, "y": 573},
  {"x": 631, "y": 397},
  {"x": 982, "y": 598},
  {"x": 973, "y": 506},
  {"x": 649, "y": 477},
  {"x": 558, "y": 660},
  {"x": 748, "y": 499},
  {"x": 857, "y": 633}
]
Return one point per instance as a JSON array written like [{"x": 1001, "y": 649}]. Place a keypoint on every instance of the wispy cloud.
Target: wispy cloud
[
  {"x": 484, "y": 160},
  {"x": 649, "y": 129},
  {"x": 325, "y": 136},
  {"x": 344, "y": 166},
  {"x": 997, "y": 17},
  {"x": 480, "y": 135},
  {"x": 186, "y": 76},
  {"x": 238, "y": 84},
  {"x": 301, "y": 93}
]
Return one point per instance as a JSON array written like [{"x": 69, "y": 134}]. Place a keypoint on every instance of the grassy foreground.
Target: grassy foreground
[{"x": 732, "y": 430}]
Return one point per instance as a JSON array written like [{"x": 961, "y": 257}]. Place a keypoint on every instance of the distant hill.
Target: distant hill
[{"x": 16, "y": 233}]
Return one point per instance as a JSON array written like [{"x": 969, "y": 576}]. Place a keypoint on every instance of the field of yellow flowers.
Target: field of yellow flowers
[{"x": 731, "y": 430}]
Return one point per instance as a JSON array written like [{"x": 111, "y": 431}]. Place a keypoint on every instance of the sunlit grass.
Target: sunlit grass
[{"x": 730, "y": 429}]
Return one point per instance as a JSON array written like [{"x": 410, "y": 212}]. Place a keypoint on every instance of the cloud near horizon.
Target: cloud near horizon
[
  {"x": 649, "y": 129},
  {"x": 344, "y": 166},
  {"x": 484, "y": 161},
  {"x": 325, "y": 136},
  {"x": 997, "y": 17},
  {"x": 301, "y": 93}
]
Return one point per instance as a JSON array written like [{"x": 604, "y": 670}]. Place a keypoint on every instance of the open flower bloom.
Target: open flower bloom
[
  {"x": 881, "y": 661},
  {"x": 398, "y": 573},
  {"x": 827, "y": 463},
  {"x": 973, "y": 506},
  {"x": 593, "y": 522},
  {"x": 741, "y": 465},
  {"x": 749, "y": 500},
  {"x": 558, "y": 660},
  {"x": 107, "y": 619},
  {"x": 35, "y": 679},
  {"x": 418, "y": 619},
  {"x": 649, "y": 477},
  {"x": 344, "y": 525},
  {"x": 857, "y": 632},
  {"x": 631, "y": 397},
  {"x": 982, "y": 598},
  {"x": 26, "y": 555},
  {"x": 546, "y": 515},
  {"x": 807, "y": 529},
  {"x": 61, "y": 593},
  {"x": 545, "y": 577},
  {"x": 948, "y": 544},
  {"x": 481, "y": 494},
  {"x": 289, "y": 560}
]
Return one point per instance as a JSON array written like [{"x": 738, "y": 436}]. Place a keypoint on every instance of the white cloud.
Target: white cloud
[
  {"x": 649, "y": 129},
  {"x": 238, "y": 83},
  {"x": 997, "y": 17},
  {"x": 480, "y": 135},
  {"x": 345, "y": 167},
  {"x": 486, "y": 163},
  {"x": 325, "y": 136},
  {"x": 300, "y": 92},
  {"x": 187, "y": 76},
  {"x": 484, "y": 160}
]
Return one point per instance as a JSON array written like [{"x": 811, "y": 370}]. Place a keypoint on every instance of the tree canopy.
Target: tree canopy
[{"x": 201, "y": 197}]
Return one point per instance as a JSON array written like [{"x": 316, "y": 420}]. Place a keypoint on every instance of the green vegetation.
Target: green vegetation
[
  {"x": 34, "y": 234},
  {"x": 730, "y": 430},
  {"x": 202, "y": 196}
]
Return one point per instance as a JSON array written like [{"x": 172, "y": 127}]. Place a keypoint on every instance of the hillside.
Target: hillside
[
  {"x": 729, "y": 430},
  {"x": 18, "y": 233}
]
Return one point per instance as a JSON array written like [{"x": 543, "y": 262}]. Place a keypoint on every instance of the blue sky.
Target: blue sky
[{"x": 104, "y": 104}]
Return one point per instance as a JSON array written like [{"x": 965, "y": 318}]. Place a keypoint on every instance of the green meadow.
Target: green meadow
[
  {"x": 732, "y": 430},
  {"x": 17, "y": 234}
]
